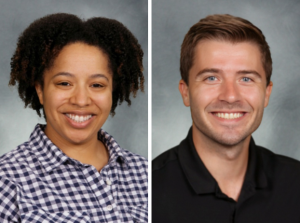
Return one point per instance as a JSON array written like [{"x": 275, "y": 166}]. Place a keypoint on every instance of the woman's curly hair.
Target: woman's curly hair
[{"x": 42, "y": 41}]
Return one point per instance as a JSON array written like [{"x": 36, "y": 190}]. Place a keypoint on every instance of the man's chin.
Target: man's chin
[
  {"x": 229, "y": 140},
  {"x": 228, "y": 137}
]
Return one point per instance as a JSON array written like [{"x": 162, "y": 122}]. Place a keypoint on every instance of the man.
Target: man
[{"x": 218, "y": 174}]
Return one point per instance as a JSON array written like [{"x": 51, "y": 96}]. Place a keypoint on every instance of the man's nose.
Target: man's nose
[
  {"x": 80, "y": 97},
  {"x": 229, "y": 92}
]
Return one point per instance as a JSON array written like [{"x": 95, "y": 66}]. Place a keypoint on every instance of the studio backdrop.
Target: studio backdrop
[
  {"x": 129, "y": 126},
  {"x": 278, "y": 20}
]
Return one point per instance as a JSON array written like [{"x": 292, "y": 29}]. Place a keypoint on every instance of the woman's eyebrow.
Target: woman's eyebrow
[
  {"x": 72, "y": 75},
  {"x": 98, "y": 75},
  {"x": 63, "y": 74}
]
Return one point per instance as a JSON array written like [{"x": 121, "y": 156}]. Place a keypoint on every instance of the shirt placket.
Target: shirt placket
[{"x": 102, "y": 186}]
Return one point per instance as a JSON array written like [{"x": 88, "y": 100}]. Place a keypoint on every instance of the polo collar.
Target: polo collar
[
  {"x": 51, "y": 157},
  {"x": 203, "y": 182}
]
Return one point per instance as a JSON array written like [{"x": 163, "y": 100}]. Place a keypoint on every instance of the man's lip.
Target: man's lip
[
  {"x": 229, "y": 116},
  {"x": 230, "y": 111}
]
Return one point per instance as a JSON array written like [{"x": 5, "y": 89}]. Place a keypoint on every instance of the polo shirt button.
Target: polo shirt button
[
  {"x": 109, "y": 208},
  {"x": 108, "y": 182}
]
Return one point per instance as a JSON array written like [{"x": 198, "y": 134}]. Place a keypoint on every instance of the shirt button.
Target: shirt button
[
  {"x": 108, "y": 182},
  {"x": 109, "y": 208}
]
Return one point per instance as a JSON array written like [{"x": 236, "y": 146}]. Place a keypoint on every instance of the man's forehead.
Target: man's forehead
[{"x": 220, "y": 55}]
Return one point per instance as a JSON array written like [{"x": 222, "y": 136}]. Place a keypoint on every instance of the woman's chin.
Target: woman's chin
[{"x": 80, "y": 138}]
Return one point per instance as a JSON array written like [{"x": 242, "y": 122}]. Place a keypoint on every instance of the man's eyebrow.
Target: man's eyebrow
[
  {"x": 250, "y": 72},
  {"x": 208, "y": 70},
  {"x": 72, "y": 75},
  {"x": 215, "y": 70}
]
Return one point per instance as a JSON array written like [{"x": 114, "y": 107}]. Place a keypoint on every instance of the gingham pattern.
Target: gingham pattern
[{"x": 39, "y": 183}]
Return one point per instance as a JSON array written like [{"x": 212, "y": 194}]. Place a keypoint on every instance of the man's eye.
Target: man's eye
[
  {"x": 211, "y": 78},
  {"x": 246, "y": 79}
]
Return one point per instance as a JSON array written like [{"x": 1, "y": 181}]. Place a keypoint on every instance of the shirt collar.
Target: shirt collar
[
  {"x": 51, "y": 157},
  {"x": 255, "y": 175},
  {"x": 203, "y": 182},
  {"x": 115, "y": 151}
]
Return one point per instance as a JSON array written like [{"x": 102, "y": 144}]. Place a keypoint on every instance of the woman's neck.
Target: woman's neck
[{"x": 92, "y": 152}]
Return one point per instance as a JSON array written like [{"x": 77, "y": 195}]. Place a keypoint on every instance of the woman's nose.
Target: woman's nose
[{"x": 80, "y": 97}]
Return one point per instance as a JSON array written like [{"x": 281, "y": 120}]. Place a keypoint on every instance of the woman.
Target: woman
[{"x": 71, "y": 170}]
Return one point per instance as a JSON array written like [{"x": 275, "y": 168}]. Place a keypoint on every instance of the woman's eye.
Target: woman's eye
[
  {"x": 64, "y": 84},
  {"x": 97, "y": 85}
]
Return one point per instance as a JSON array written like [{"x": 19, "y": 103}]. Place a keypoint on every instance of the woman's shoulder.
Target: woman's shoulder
[
  {"x": 115, "y": 150},
  {"x": 19, "y": 153},
  {"x": 135, "y": 158},
  {"x": 13, "y": 163}
]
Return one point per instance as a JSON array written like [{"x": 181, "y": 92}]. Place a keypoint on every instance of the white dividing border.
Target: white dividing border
[{"x": 149, "y": 110}]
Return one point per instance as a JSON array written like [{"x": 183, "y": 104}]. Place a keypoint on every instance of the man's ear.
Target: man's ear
[
  {"x": 268, "y": 93},
  {"x": 184, "y": 91},
  {"x": 39, "y": 92}
]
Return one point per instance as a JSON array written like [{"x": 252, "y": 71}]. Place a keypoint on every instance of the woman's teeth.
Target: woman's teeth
[
  {"x": 79, "y": 118},
  {"x": 229, "y": 115}
]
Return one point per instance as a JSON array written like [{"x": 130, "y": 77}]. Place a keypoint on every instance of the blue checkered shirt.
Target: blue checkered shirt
[{"x": 39, "y": 183}]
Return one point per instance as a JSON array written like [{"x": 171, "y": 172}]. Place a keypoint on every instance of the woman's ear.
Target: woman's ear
[{"x": 39, "y": 92}]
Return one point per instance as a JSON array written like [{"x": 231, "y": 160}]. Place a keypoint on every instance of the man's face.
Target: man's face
[{"x": 227, "y": 91}]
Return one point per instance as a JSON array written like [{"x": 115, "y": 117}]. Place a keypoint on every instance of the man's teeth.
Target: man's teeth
[
  {"x": 79, "y": 118},
  {"x": 229, "y": 115}
]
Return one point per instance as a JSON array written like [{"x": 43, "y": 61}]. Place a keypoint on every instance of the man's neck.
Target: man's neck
[{"x": 228, "y": 165}]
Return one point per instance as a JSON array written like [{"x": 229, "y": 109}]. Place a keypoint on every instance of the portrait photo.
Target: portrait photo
[
  {"x": 17, "y": 122},
  {"x": 225, "y": 104},
  {"x": 278, "y": 21},
  {"x": 74, "y": 114}
]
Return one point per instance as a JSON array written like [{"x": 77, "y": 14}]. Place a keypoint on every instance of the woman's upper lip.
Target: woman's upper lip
[{"x": 79, "y": 113}]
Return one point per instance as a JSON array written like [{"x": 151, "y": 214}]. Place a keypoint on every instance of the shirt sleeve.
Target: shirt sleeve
[{"x": 8, "y": 201}]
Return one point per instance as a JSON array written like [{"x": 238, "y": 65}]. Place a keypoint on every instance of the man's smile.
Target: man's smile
[{"x": 229, "y": 115}]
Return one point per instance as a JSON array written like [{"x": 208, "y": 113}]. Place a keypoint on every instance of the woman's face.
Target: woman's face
[{"x": 77, "y": 94}]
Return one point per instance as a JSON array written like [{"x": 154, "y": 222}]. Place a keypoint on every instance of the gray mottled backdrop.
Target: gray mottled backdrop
[
  {"x": 280, "y": 22},
  {"x": 128, "y": 126}
]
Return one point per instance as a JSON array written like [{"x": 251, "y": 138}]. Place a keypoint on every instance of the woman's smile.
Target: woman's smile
[
  {"x": 79, "y": 121},
  {"x": 79, "y": 118}
]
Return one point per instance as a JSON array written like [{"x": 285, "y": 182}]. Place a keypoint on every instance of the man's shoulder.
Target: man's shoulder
[
  {"x": 280, "y": 163},
  {"x": 282, "y": 159},
  {"x": 164, "y": 159}
]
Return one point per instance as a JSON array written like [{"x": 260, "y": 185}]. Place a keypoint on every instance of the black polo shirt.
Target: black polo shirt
[{"x": 184, "y": 191}]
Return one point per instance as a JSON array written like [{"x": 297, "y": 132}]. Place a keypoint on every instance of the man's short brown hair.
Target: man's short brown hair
[{"x": 223, "y": 28}]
